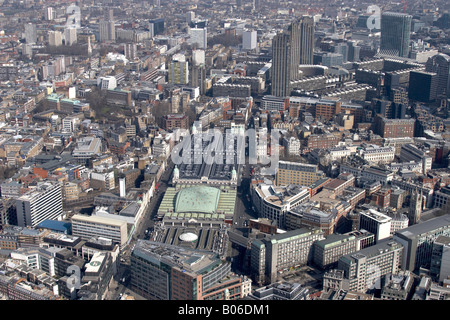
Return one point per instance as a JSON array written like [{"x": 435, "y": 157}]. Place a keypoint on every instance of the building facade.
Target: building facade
[
  {"x": 395, "y": 33},
  {"x": 363, "y": 269},
  {"x": 42, "y": 203},
  {"x": 87, "y": 227},
  {"x": 418, "y": 241}
]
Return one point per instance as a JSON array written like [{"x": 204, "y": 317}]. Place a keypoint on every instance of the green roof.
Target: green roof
[{"x": 200, "y": 199}]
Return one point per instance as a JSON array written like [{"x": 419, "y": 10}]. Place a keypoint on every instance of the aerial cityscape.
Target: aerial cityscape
[{"x": 231, "y": 150}]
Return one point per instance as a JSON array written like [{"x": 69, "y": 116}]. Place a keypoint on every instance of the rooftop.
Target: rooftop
[
  {"x": 425, "y": 227},
  {"x": 188, "y": 260},
  {"x": 60, "y": 226},
  {"x": 197, "y": 199},
  {"x": 202, "y": 202}
]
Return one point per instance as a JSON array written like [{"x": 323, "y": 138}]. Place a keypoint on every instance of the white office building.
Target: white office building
[
  {"x": 41, "y": 203},
  {"x": 198, "y": 57},
  {"x": 107, "y": 82},
  {"x": 30, "y": 33},
  {"x": 107, "y": 31},
  {"x": 87, "y": 147},
  {"x": 292, "y": 146},
  {"x": 87, "y": 227},
  {"x": 375, "y": 222},
  {"x": 70, "y": 36},
  {"x": 375, "y": 154},
  {"x": 190, "y": 15},
  {"x": 54, "y": 38},
  {"x": 70, "y": 124},
  {"x": 249, "y": 40},
  {"x": 130, "y": 50},
  {"x": 198, "y": 36},
  {"x": 50, "y": 13},
  {"x": 339, "y": 152}
]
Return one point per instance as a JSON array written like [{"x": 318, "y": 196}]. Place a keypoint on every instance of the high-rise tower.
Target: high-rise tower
[
  {"x": 292, "y": 47},
  {"x": 395, "y": 33},
  {"x": 440, "y": 64},
  {"x": 306, "y": 40}
]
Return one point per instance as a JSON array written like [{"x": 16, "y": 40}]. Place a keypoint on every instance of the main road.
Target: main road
[{"x": 147, "y": 219}]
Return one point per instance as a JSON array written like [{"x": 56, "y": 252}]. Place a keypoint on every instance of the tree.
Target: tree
[{"x": 159, "y": 111}]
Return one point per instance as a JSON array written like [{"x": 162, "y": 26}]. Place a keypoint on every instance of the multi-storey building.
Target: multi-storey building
[
  {"x": 173, "y": 121},
  {"x": 410, "y": 152},
  {"x": 290, "y": 49},
  {"x": 297, "y": 173},
  {"x": 292, "y": 146},
  {"x": 440, "y": 64},
  {"x": 17, "y": 288},
  {"x": 97, "y": 276},
  {"x": 307, "y": 215},
  {"x": 54, "y": 38},
  {"x": 394, "y": 128},
  {"x": 342, "y": 182},
  {"x": 282, "y": 251},
  {"x": 395, "y": 33},
  {"x": 322, "y": 141},
  {"x": 30, "y": 33},
  {"x": 363, "y": 269},
  {"x": 441, "y": 197},
  {"x": 107, "y": 31},
  {"x": 70, "y": 36},
  {"x": 274, "y": 103},
  {"x": 440, "y": 259},
  {"x": 119, "y": 97},
  {"x": 418, "y": 241},
  {"x": 397, "y": 286},
  {"x": 198, "y": 37},
  {"x": 399, "y": 221},
  {"x": 103, "y": 180},
  {"x": 42, "y": 203},
  {"x": 281, "y": 291},
  {"x": 249, "y": 39},
  {"x": 327, "y": 252},
  {"x": 376, "y": 155},
  {"x": 178, "y": 70},
  {"x": 273, "y": 202},
  {"x": 422, "y": 86},
  {"x": 87, "y": 227},
  {"x": 86, "y": 148},
  {"x": 165, "y": 272},
  {"x": 375, "y": 222}
]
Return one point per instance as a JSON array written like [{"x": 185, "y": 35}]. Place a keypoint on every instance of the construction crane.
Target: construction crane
[{"x": 404, "y": 6}]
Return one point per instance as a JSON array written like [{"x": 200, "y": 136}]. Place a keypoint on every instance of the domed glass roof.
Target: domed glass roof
[
  {"x": 200, "y": 199},
  {"x": 188, "y": 236}
]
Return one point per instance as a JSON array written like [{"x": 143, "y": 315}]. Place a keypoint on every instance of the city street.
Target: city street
[
  {"x": 117, "y": 286},
  {"x": 243, "y": 208}
]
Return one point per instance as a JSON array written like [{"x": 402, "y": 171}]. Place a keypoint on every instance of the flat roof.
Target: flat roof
[
  {"x": 100, "y": 220},
  {"x": 186, "y": 259},
  {"x": 55, "y": 225},
  {"x": 302, "y": 232},
  {"x": 334, "y": 239},
  {"x": 424, "y": 227},
  {"x": 383, "y": 246},
  {"x": 96, "y": 262}
]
